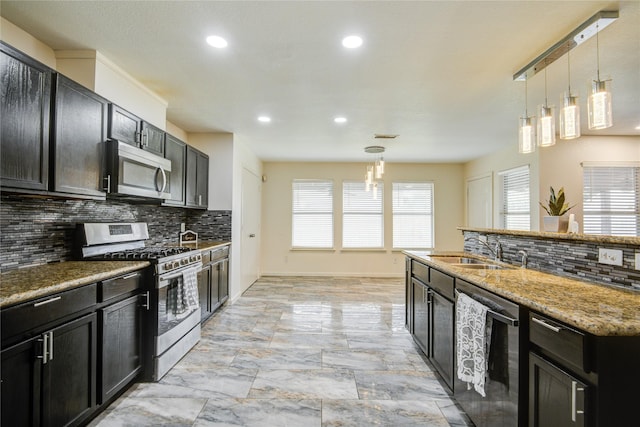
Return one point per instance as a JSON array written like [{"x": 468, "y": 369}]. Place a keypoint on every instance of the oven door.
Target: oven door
[
  {"x": 178, "y": 306},
  {"x": 132, "y": 171}
]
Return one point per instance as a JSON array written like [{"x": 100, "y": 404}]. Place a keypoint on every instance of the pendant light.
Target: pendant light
[
  {"x": 375, "y": 170},
  {"x": 599, "y": 102},
  {"x": 570, "y": 112},
  {"x": 526, "y": 131},
  {"x": 546, "y": 134}
]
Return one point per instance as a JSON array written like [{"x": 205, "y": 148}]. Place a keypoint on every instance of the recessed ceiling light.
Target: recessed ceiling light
[
  {"x": 352, "y": 42},
  {"x": 264, "y": 119},
  {"x": 217, "y": 42},
  {"x": 340, "y": 120}
]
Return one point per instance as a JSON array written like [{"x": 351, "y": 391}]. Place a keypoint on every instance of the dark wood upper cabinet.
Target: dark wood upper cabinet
[
  {"x": 131, "y": 129},
  {"x": 197, "y": 179},
  {"x": 176, "y": 151},
  {"x": 25, "y": 109},
  {"x": 124, "y": 126},
  {"x": 80, "y": 131},
  {"x": 153, "y": 139}
]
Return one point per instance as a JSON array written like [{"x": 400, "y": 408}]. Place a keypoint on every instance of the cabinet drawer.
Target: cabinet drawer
[
  {"x": 117, "y": 286},
  {"x": 420, "y": 271},
  {"x": 220, "y": 253},
  {"x": 442, "y": 283},
  {"x": 559, "y": 340},
  {"x": 25, "y": 317}
]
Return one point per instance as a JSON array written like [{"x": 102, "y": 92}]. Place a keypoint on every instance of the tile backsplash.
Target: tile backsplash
[
  {"x": 37, "y": 230},
  {"x": 569, "y": 258}
]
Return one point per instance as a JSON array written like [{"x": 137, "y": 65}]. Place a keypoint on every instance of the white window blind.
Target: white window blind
[
  {"x": 515, "y": 213},
  {"x": 412, "y": 215},
  {"x": 362, "y": 216},
  {"x": 312, "y": 208},
  {"x": 611, "y": 200}
]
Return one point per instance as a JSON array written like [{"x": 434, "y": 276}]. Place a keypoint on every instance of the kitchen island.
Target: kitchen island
[{"x": 575, "y": 344}]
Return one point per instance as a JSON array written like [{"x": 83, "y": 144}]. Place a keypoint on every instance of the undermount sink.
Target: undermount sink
[
  {"x": 451, "y": 259},
  {"x": 469, "y": 263},
  {"x": 483, "y": 266}
]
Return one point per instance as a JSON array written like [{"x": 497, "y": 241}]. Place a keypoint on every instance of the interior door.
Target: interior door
[
  {"x": 250, "y": 228},
  {"x": 480, "y": 202}
]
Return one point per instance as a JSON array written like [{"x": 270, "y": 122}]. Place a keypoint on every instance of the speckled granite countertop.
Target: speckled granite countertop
[
  {"x": 598, "y": 309},
  {"x": 25, "y": 284},
  {"x": 597, "y": 238},
  {"x": 205, "y": 244}
]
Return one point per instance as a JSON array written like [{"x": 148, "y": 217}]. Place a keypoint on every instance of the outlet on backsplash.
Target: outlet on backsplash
[{"x": 610, "y": 256}]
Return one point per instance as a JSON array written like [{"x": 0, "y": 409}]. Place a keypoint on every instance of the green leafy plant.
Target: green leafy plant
[{"x": 556, "y": 206}]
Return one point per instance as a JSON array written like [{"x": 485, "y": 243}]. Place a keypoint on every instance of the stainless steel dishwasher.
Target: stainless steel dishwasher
[{"x": 503, "y": 381}]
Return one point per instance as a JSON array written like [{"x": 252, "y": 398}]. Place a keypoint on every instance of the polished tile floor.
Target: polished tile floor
[{"x": 298, "y": 351}]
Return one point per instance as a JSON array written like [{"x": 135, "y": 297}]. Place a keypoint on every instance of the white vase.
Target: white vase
[{"x": 555, "y": 224}]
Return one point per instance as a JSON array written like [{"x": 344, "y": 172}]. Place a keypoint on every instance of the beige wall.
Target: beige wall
[
  {"x": 26, "y": 43},
  {"x": 501, "y": 160},
  {"x": 560, "y": 165},
  {"x": 219, "y": 148},
  {"x": 279, "y": 258}
]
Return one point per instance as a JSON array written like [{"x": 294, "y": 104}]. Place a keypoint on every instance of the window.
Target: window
[
  {"x": 610, "y": 202},
  {"x": 312, "y": 207},
  {"x": 412, "y": 215},
  {"x": 515, "y": 213},
  {"x": 362, "y": 216}
]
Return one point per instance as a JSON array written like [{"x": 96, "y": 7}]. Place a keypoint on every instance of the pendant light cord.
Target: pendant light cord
[
  {"x": 526, "y": 99},
  {"x": 569, "y": 67},
  {"x": 598, "y": 50},
  {"x": 546, "y": 105}
]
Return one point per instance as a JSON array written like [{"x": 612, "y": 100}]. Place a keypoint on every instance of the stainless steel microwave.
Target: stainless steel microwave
[{"x": 131, "y": 171}]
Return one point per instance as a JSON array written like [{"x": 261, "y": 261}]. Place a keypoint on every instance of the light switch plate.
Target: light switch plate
[
  {"x": 637, "y": 260},
  {"x": 610, "y": 256}
]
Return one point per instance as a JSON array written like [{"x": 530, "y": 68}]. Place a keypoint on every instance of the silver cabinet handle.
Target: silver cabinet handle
[
  {"x": 129, "y": 276},
  {"x": 138, "y": 137},
  {"x": 252, "y": 235},
  {"x": 45, "y": 348},
  {"x": 108, "y": 186},
  {"x": 545, "y": 324},
  {"x": 574, "y": 391},
  {"x": 49, "y": 301},
  {"x": 199, "y": 199},
  {"x": 51, "y": 345}
]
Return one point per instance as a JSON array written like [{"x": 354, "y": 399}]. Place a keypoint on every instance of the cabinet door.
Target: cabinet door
[
  {"x": 25, "y": 109},
  {"x": 80, "y": 131},
  {"x": 443, "y": 338},
  {"x": 121, "y": 339},
  {"x": 124, "y": 126},
  {"x": 153, "y": 139},
  {"x": 215, "y": 285},
  {"x": 197, "y": 178},
  {"x": 20, "y": 386},
  {"x": 204, "y": 292},
  {"x": 69, "y": 377},
  {"x": 176, "y": 151},
  {"x": 556, "y": 398},
  {"x": 408, "y": 297},
  {"x": 223, "y": 281},
  {"x": 421, "y": 316},
  {"x": 202, "y": 180}
]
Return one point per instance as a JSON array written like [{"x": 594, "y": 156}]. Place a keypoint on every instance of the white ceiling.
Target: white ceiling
[{"x": 438, "y": 73}]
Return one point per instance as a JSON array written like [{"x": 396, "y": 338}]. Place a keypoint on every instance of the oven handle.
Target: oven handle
[
  {"x": 498, "y": 316},
  {"x": 163, "y": 281}
]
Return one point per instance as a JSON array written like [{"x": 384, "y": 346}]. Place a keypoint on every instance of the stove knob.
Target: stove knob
[
  {"x": 167, "y": 266},
  {"x": 184, "y": 261},
  {"x": 176, "y": 264}
]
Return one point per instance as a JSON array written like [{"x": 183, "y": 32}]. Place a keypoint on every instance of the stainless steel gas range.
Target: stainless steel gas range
[{"x": 173, "y": 326}]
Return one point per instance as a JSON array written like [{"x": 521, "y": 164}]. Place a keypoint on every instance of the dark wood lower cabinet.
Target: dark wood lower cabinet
[
  {"x": 443, "y": 336},
  {"x": 121, "y": 340},
  {"x": 50, "y": 380},
  {"x": 421, "y": 316},
  {"x": 556, "y": 398},
  {"x": 213, "y": 281}
]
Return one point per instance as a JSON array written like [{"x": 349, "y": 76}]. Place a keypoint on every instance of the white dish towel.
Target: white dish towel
[{"x": 473, "y": 330}]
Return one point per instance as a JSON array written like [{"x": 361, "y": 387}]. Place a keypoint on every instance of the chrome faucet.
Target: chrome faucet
[
  {"x": 525, "y": 258},
  {"x": 496, "y": 251}
]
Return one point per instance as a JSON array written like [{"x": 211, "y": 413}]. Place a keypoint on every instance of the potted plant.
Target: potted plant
[{"x": 556, "y": 221}]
